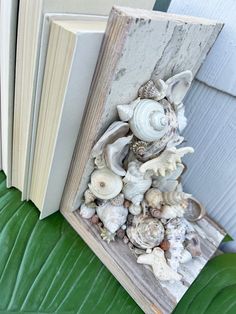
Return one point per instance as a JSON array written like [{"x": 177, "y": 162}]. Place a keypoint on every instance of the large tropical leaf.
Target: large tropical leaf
[
  {"x": 214, "y": 291},
  {"x": 45, "y": 267}
]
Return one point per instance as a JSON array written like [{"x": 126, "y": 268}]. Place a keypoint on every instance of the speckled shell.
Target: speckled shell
[
  {"x": 113, "y": 217},
  {"x": 146, "y": 232},
  {"x": 105, "y": 184},
  {"x": 135, "y": 183}
]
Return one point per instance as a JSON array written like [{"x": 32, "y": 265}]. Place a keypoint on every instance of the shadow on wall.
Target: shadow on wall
[{"x": 162, "y": 5}]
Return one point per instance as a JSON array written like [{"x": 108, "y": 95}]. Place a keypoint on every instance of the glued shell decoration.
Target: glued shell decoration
[
  {"x": 147, "y": 119},
  {"x": 115, "y": 153},
  {"x": 156, "y": 259},
  {"x": 156, "y": 199},
  {"x": 116, "y": 130},
  {"x": 167, "y": 161},
  {"x": 135, "y": 183},
  {"x": 178, "y": 86},
  {"x": 113, "y": 217},
  {"x": 146, "y": 232},
  {"x": 87, "y": 210},
  {"x": 153, "y": 90},
  {"x": 105, "y": 184}
]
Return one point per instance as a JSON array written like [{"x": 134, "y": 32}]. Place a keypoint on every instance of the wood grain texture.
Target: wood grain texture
[
  {"x": 219, "y": 69},
  {"x": 152, "y": 296},
  {"x": 138, "y": 44},
  {"x": 211, "y": 171}
]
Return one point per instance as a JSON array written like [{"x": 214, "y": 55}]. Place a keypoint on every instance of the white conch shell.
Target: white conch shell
[
  {"x": 145, "y": 232},
  {"x": 115, "y": 153},
  {"x": 175, "y": 234},
  {"x": 113, "y": 217},
  {"x": 149, "y": 122},
  {"x": 116, "y": 130},
  {"x": 105, "y": 184},
  {"x": 169, "y": 182},
  {"x": 126, "y": 111},
  {"x": 178, "y": 86},
  {"x": 153, "y": 90},
  {"x": 160, "y": 268},
  {"x": 167, "y": 161},
  {"x": 135, "y": 183},
  {"x": 87, "y": 210}
]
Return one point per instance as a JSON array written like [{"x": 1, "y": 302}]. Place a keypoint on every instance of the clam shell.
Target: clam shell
[
  {"x": 146, "y": 232},
  {"x": 115, "y": 154},
  {"x": 116, "y": 130},
  {"x": 113, "y": 217},
  {"x": 105, "y": 184},
  {"x": 178, "y": 86}
]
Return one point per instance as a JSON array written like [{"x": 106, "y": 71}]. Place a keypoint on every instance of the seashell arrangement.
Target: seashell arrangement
[{"x": 135, "y": 194}]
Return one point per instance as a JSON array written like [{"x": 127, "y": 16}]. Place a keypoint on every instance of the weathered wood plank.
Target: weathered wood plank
[
  {"x": 219, "y": 69},
  {"x": 138, "y": 44},
  {"x": 151, "y": 295}
]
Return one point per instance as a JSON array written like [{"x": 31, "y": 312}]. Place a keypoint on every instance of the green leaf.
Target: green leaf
[
  {"x": 227, "y": 238},
  {"x": 214, "y": 290},
  {"x": 45, "y": 267}
]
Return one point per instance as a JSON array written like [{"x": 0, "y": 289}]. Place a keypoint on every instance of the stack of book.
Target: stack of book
[{"x": 48, "y": 59}]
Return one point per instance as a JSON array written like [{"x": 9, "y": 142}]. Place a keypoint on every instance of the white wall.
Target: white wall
[{"x": 211, "y": 111}]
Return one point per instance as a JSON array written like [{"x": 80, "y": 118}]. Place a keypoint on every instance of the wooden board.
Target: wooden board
[
  {"x": 151, "y": 295},
  {"x": 138, "y": 45}
]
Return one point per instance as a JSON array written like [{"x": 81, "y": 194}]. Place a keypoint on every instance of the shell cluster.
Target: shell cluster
[{"x": 134, "y": 193}]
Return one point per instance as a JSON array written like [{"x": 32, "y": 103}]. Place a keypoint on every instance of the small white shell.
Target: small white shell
[
  {"x": 160, "y": 268},
  {"x": 153, "y": 197},
  {"x": 145, "y": 232},
  {"x": 185, "y": 257},
  {"x": 178, "y": 86},
  {"x": 87, "y": 211},
  {"x": 135, "y": 183},
  {"x": 135, "y": 209},
  {"x": 115, "y": 154},
  {"x": 89, "y": 197},
  {"x": 105, "y": 184},
  {"x": 113, "y": 217},
  {"x": 167, "y": 161},
  {"x": 116, "y": 130}
]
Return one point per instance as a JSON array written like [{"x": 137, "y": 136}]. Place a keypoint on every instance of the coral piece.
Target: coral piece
[
  {"x": 167, "y": 161},
  {"x": 160, "y": 268}
]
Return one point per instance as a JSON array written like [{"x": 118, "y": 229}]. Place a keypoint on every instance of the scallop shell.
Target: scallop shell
[
  {"x": 116, "y": 130},
  {"x": 113, "y": 217},
  {"x": 105, "y": 184},
  {"x": 135, "y": 183},
  {"x": 87, "y": 210},
  {"x": 146, "y": 232},
  {"x": 178, "y": 86},
  {"x": 161, "y": 270},
  {"x": 167, "y": 161},
  {"x": 153, "y": 90},
  {"x": 115, "y": 154},
  {"x": 169, "y": 182},
  {"x": 154, "y": 199}
]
